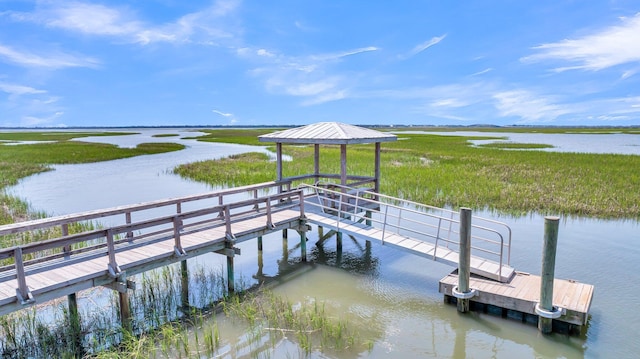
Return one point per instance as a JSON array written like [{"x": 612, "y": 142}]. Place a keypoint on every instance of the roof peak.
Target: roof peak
[{"x": 328, "y": 133}]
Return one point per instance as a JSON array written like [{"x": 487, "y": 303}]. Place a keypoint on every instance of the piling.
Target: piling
[
  {"x": 184, "y": 284},
  {"x": 125, "y": 308},
  {"x": 74, "y": 323},
  {"x": 339, "y": 241},
  {"x": 230, "y": 277},
  {"x": 546, "y": 311},
  {"x": 464, "y": 261},
  {"x": 303, "y": 245},
  {"x": 260, "y": 243}
]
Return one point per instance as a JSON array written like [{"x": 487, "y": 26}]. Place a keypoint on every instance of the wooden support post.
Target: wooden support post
[
  {"x": 316, "y": 162},
  {"x": 376, "y": 185},
  {"x": 339, "y": 241},
  {"x": 320, "y": 232},
  {"x": 367, "y": 215},
  {"x": 260, "y": 243},
  {"x": 548, "y": 272},
  {"x": 464, "y": 259},
  {"x": 125, "y": 309},
  {"x": 279, "y": 165},
  {"x": 184, "y": 282},
  {"x": 74, "y": 323},
  {"x": 230, "y": 276},
  {"x": 231, "y": 286},
  {"x": 303, "y": 245},
  {"x": 285, "y": 234},
  {"x": 259, "y": 275},
  {"x": 285, "y": 248},
  {"x": 343, "y": 166}
]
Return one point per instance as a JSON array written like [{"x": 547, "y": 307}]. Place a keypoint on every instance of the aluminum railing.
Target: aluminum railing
[{"x": 490, "y": 239}]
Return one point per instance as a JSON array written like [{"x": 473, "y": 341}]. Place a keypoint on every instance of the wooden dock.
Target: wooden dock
[
  {"x": 37, "y": 272},
  {"x": 45, "y": 270},
  {"x": 522, "y": 293}
]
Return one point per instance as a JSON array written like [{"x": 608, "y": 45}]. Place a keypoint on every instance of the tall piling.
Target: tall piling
[
  {"x": 464, "y": 260},
  {"x": 545, "y": 308}
]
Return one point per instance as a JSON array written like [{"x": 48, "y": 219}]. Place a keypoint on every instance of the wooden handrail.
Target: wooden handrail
[{"x": 19, "y": 227}]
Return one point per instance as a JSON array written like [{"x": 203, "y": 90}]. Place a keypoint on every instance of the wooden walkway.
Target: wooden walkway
[{"x": 143, "y": 246}]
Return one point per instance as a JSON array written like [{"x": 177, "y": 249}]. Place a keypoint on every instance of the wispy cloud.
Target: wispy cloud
[
  {"x": 606, "y": 48},
  {"x": 423, "y": 46},
  {"x": 123, "y": 24},
  {"x": 53, "y": 59},
  {"x": 309, "y": 77},
  {"x": 339, "y": 55},
  {"x": 529, "y": 106},
  {"x": 14, "y": 89},
  {"x": 41, "y": 121},
  {"x": 232, "y": 119},
  {"x": 223, "y": 114},
  {"x": 482, "y": 72}
]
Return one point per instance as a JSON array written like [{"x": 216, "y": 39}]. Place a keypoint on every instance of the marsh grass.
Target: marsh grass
[
  {"x": 55, "y": 135},
  {"x": 515, "y": 146},
  {"x": 160, "y": 323},
  {"x": 447, "y": 171},
  {"x": 164, "y": 329}
]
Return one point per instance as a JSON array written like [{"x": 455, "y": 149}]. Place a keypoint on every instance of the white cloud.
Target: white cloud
[
  {"x": 19, "y": 89},
  {"x": 309, "y": 77},
  {"x": 53, "y": 59},
  {"x": 224, "y": 114},
  {"x": 423, "y": 46},
  {"x": 530, "y": 107},
  {"x": 482, "y": 72},
  {"x": 34, "y": 121},
  {"x": 121, "y": 23},
  {"x": 606, "y": 48},
  {"x": 339, "y": 55}
]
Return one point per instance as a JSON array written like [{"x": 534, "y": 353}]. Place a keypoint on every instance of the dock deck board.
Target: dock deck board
[{"x": 522, "y": 293}]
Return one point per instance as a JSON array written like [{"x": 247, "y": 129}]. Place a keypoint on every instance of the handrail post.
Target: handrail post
[
  {"x": 177, "y": 247},
  {"x": 114, "y": 270},
  {"x": 269, "y": 222},
  {"x": 301, "y": 199},
  {"x": 221, "y": 214},
  {"x": 128, "y": 220},
  {"x": 227, "y": 220},
  {"x": 65, "y": 232},
  {"x": 384, "y": 224},
  {"x": 22, "y": 292}
]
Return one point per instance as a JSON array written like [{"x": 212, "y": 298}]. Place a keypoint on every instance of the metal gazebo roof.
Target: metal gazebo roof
[
  {"x": 333, "y": 133},
  {"x": 330, "y": 133}
]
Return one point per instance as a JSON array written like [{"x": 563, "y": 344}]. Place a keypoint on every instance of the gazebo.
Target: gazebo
[{"x": 330, "y": 133}]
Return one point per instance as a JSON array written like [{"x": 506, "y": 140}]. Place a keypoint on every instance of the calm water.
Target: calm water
[
  {"x": 390, "y": 295},
  {"x": 620, "y": 143}
]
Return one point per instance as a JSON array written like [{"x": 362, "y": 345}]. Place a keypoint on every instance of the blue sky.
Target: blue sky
[{"x": 229, "y": 62}]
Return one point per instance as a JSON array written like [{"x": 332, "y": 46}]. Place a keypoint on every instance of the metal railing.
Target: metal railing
[{"x": 490, "y": 239}]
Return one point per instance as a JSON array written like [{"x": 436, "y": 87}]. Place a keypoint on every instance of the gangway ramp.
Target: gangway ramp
[{"x": 422, "y": 230}]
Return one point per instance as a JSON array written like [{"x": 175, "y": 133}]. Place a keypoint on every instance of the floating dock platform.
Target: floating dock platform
[{"x": 519, "y": 297}]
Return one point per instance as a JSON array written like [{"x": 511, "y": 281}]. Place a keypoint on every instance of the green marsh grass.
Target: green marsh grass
[
  {"x": 515, "y": 146},
  {"x": 448, "y": 171}
]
